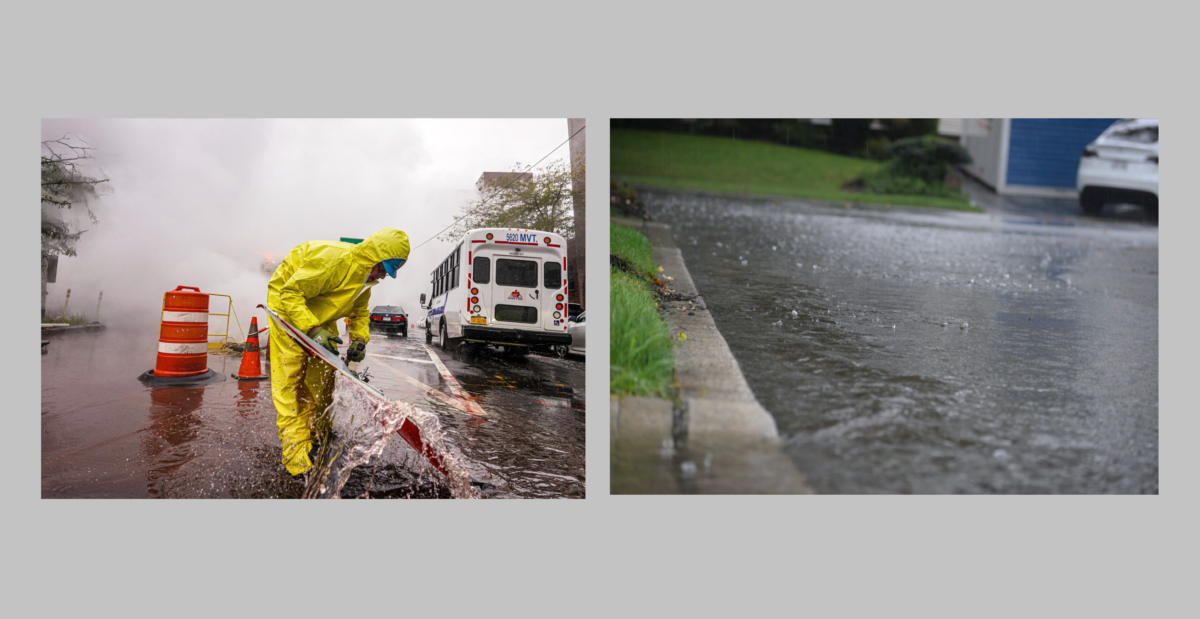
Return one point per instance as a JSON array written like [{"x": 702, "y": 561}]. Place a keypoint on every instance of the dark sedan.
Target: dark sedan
[{"x": 389, "y": 319}]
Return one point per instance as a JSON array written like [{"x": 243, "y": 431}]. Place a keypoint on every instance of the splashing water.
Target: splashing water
[{"x": 363, "y": 424}]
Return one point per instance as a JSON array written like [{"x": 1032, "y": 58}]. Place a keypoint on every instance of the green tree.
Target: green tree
[
  {"x": 539, "y": 200},
  {"x": 65, "y": 187}
]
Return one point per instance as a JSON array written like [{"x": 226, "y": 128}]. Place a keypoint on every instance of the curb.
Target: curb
[
  {"x": 63, "y": 328},
  {"x": 843, "y": 204},
  {"x": 714, "y": 412}
]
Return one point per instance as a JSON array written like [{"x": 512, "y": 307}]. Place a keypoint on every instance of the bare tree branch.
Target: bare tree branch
[{"x": 64, "y": 186}]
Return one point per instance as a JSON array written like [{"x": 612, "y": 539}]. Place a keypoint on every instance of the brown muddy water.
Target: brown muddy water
[{"x": 106, "y": 435}]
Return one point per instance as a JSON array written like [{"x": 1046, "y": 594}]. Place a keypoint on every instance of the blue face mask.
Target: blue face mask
[{"x": 393, "y": 265}]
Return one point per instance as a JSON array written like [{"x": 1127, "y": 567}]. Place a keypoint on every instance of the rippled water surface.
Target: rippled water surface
[
  {"x": 937, "y": 352},
  {"x": 104, "y": 434}
]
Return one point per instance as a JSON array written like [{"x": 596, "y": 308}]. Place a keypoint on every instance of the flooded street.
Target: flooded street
[
  {"x": 104, "y": 434},
  {"x": 937, "y": 352}
]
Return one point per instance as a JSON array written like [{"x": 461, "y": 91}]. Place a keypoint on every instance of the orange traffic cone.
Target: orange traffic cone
[{"x": 251, "y": 367}]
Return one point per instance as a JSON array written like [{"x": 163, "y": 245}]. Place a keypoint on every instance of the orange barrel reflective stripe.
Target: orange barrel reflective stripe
[{"x": 183, "y": 333}]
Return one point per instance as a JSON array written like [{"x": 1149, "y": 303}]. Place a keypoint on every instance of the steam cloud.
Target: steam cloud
[{"x": 203, "y": 202}]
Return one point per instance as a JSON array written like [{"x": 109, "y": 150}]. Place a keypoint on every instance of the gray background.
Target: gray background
[{"x": 829, "y": 555}]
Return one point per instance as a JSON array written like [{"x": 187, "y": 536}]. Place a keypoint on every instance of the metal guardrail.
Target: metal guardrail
[{"x": 225, "y": 335}]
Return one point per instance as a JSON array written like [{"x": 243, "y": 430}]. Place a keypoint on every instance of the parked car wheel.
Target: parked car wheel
[
  {"x": 428, "y": 334},
  {"x": 1091, "y": 201}
]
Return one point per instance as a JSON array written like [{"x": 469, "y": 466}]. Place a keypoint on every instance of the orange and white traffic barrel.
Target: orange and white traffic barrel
[{"x": 182, "y": 338}]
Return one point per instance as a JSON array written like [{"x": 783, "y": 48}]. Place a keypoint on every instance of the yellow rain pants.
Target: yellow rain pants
[{"x": 318, "y": 283}]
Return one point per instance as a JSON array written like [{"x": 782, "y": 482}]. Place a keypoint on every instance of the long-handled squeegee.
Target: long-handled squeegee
[{"x": 408, "y": 430}]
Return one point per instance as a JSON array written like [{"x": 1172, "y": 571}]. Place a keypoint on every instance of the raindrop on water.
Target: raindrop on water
[{"x": 688, "y": 468}]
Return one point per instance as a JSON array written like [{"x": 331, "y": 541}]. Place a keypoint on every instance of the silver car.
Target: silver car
[{"x": 577, "y": 328}]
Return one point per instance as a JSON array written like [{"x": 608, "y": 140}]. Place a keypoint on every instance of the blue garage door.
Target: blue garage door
[{"x": 1044, "y": 152}]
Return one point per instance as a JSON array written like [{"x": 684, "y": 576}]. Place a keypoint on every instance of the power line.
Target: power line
[{"x": 516, "y": 177}]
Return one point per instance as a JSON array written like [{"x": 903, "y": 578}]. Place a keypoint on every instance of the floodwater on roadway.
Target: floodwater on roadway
[
  {"x": 937, "y": 352},
  {"x": 104, "y": 434}
]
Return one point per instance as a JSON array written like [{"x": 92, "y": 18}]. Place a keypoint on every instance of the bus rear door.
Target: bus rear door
[{"x": 515, "y": 293}]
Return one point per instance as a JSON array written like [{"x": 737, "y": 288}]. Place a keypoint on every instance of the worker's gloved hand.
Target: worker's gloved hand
[
  {"x": 357, "y": 350},
  {"x": 325, "y": 338}
]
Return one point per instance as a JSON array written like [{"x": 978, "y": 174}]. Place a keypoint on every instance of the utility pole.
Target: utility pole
[{"x": 577, "y": 249}]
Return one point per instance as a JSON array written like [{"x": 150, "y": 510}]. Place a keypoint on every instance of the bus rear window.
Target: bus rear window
[
  {"x": 521, "y": 273},
  {"x": 482, "y": 273},
  {"x": 516, "y": 313},
  {"x": 553, "y": 277}
]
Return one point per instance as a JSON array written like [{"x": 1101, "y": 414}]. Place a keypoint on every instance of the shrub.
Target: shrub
[
  {"x": 927, "y": 158},
  {"x": 899, "y": 128},
  {"x": 918, "y": 167},
  {"x": 879, "y": 149},
  {"x": 624, "y": 199}
]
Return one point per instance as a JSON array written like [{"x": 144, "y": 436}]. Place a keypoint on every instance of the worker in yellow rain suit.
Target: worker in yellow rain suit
[{"x": 318, "y": 283}]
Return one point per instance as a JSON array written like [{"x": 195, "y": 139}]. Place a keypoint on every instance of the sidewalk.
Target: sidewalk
[
  {"x": 983, "y": 196},
  {"x": 61, "y": 327},
  {"x": 715, "y": 438}
]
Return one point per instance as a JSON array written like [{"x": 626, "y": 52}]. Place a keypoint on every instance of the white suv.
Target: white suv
[{"x": 1121, "y": 166}]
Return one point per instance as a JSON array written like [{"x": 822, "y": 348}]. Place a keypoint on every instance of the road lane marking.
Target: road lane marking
[
  {"x": 400, "y": 358},
  {"x": 452, "y": 382},
  {"x": 461, "y": 405}
]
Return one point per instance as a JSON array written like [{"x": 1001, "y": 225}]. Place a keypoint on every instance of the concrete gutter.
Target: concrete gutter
[{"x": 715, "y": 423}]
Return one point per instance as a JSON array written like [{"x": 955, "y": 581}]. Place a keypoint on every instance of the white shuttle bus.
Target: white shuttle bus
[{"x": 501, "y": 286}]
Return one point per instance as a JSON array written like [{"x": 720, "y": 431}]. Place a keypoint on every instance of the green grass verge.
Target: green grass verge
[
  {"x": 73, "y": 319},
  {"x": 633, "y": 246},
  {"x": 706, "y": 163},
  {"x": 640, "y": 357}
]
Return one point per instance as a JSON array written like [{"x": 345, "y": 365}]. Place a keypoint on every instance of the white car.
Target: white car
[
  {"x": 1121, "y": 166},
  {"x": 577, "y": 328}
]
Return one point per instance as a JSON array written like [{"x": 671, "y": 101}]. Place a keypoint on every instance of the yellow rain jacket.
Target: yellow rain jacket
[{"x": 318, "y": 283}]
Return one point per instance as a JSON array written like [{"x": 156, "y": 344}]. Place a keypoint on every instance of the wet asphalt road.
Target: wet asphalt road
[
  {"x": 104, "y": 434},
  {"x": 938, "y": 352},
  {"x": 531, "y": 444}
]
